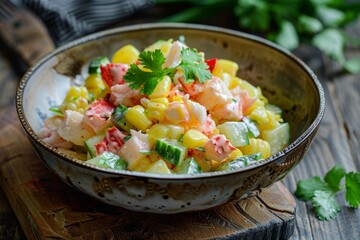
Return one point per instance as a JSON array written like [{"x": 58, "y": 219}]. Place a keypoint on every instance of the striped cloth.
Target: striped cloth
[{"x": 70, "y": 19}]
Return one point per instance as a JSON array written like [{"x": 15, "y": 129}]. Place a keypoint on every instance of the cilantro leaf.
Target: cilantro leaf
[
  {"x": 306, "y": 188},
  {"x": 193, "y": 66},
  {"x": 321, "y": 193},
  {"x": 56, "y": 111},
  {"x": 248, "y": 12},
  {"x": 334, "y": 176},
  {"x": 287, "y": 37},
  {"x": 352, "y": 184},
  {"x": 152, "y": 60},
  {"x": 309, "y": 24},
  {"x": 325, "y": 205},
  {"x": 352, "y": 65},
  {"x": 145, "y": 79},
  {"x": 329, "y": 16},
  {"x": 330, "y": 42}
]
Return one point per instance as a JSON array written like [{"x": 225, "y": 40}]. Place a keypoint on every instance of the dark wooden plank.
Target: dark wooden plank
[
  {"x": 347, "y": 93},
  {"x": 48, "y": 208},
  {"x": 9, "y": 225},
  {"x": 337, "y": 142},
  {"x": 8, "y": 81}
]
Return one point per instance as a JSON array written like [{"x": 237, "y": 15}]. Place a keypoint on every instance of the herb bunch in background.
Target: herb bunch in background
[{"x": 288, "y": 23}]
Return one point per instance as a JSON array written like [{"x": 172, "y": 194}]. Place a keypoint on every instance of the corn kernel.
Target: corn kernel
[
  {"x": 256, "y": 104},
  {"x": 71, "y": 106},
  {"x": 95, "y": 86},
  {"x": 176, "y": 98},
  {"x": 155, "y": 111},
  {"x": 257, "y": 145},
  {"x": 273, "y": 121},
  {"x": 128, "y": 54},
  {"x": 76, "y": 99},
  {"x": 194, "y": 138},
  {"x": 234, "y": 154},
  {"x": 162, "y": 100},
  {"x": 73, "y": 92},
  {"x": 227, "y": 66},
  {"x": 162, "y": 89},
  {"x": 144, "y": 102},
  {"x": 259, "y": 115},
  {"x": 137, "y": 117}
]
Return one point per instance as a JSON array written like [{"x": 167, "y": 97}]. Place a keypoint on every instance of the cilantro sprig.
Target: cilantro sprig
[
  {"x": 146, "y": 78},
  {"x": 319, "y": 23},
  {"x": 322, "y": 193}
]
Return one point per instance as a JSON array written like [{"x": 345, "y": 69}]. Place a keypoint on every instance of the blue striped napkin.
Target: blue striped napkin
[{"x": 70, "y": 19}]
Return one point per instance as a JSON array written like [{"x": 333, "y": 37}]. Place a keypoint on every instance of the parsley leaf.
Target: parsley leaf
[
  {"x": 57, "y": 111},
  {"x": 334, "y": 176},
  {"x": 193, "y": 66},
  {"x": 331, "y": 42},
  {"x": 352, "y": 65},
  {"x": 288, "y": 23},
  {"x": 306, "y": 188},
  {"x": 322, "y": 193},
  {"x": 325, "y": 205},
  {"x": 152, "y": 60},
  {"x": 287, "y": 36},
  {"x": 145, "y": 79},
  {"x": 352, "y": 183}
]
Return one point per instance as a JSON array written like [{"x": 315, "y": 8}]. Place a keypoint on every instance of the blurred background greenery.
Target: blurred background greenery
[{"x": 289, "y": 23}]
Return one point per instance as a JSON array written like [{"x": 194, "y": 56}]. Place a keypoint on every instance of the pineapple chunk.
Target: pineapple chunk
[{"x": 159, "y": 167}]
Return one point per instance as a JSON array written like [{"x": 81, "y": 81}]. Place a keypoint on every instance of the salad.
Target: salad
[{"x": 166, "y": 110}]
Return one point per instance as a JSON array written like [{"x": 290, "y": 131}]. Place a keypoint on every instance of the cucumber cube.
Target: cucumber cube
[
  {"x": 119, "y": 120},
  {"x": 108, "y": 160},
  {"x": 189, "y": 166},
  {"x": 236, "y": 132},
  {"x": 91, "y": 142},
  {"x": 251, "y": 125},
  {"x": 278, "y": 138},
  {"x": 171, "y": 150},
  {"x": 94, "y": 67},
  {"x": 240, "y": 162}
]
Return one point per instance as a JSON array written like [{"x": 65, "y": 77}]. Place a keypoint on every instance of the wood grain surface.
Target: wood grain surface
[
  {"x": 337, "y": 142},
  {"x": 48, "y": 208}
]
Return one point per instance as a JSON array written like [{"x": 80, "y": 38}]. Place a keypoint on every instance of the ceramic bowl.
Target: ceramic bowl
[{"x": 285, "y": 80}]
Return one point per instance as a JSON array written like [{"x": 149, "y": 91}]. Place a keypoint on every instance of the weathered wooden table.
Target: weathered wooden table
[{"x": 337, "y": 142}]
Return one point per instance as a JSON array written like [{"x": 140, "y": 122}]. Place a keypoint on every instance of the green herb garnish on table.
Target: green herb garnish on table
[
  {"x": 319, "y": 23},
  {"x": 322, "y": 193}
]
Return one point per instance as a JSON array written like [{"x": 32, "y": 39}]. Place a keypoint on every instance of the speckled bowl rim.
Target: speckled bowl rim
[{"x": 147, "y": 26}]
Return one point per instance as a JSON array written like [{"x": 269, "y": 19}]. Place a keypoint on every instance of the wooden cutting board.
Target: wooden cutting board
[{"x": 48, "y": 208}]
